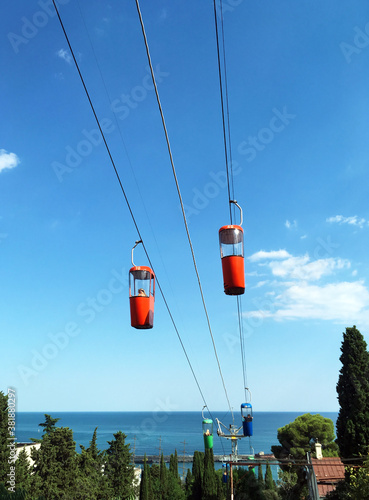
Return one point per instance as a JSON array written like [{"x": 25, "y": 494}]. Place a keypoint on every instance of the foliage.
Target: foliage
[
  {"x": 353, "y": 396},
  {"x": 355, "y": 486},
  {"x": 188, "y": 484},
  {"x": 23, "y": 471},
  {"x": 49, "y": 426},
  {"x": 155, "y": 486},
  {"x": 260, "y": 476},
  {"x": 209, "y": 483},
  {"x": 91, "y": 481},
  {"x": 163, "y": 478},
  {"x": 145, "y": 479},
  {"x": 300, "y": 436},
  {"x": 269, "y": 482},
  {"x": 197, "y": 473},
  {"x": 118, "y": 468},
  {"x": 288, "y": 487},
  {"x": 55, "y": 465},
  {"x": 173, "y": 465},
  {"x": 247, "y": 485}
]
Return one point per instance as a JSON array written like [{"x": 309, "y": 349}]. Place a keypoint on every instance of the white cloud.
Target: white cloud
[
  {"x": 275, "y": 254},
  {"x": 261, "y": 283},
  {"x": 299, "y": 298},
  {"x": 353, "y": 220},
  {"x": 63, "y": 54},
  {"x": 300, "y": 267},
  {"x": 8, "y": 160},
  {"x": 345, "y": 301},
  {"x": 290, "y": 225}
]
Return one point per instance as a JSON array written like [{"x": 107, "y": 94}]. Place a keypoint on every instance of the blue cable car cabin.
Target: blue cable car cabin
[{"x": 247, "y": 417}]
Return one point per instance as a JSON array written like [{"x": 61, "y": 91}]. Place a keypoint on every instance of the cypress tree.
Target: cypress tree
[
  {"x": 189, "y": 483},
  {"x": 353, "y": 396},
  {"x": 269, "y": 482},
  {"x": 209, "y": 484},
  {"x": 260, "y": 476},
  {"x": 91, "y": 482},
  {"x": 163, "y": 478},
  {"x": 144, "y": 486},
  {"x": 173, "y": 465},
  {"x": 197, "y": 472},
  {"x": 155, "y": 488},
  {"x": 23, "y": 471},
  {"x": 55, "y": 473},
  {"x": 118, "y": 469}
]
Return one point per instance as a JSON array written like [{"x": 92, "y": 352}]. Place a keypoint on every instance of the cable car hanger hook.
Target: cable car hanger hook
[
  {"x": 136, "y": 243},
  {"x": 203, "y": 412},
  {"x": 237, "y": 205},
  {"x": 248, "y": 390}
]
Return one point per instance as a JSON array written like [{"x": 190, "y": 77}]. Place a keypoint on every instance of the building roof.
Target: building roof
[{"x": 328, "y": 471}]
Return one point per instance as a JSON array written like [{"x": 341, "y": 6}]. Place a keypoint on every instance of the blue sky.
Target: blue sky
[{"x": 298, "y": 78}]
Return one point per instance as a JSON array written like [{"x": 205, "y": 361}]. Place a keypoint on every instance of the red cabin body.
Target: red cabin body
[
  {"x": 142, "y": 296},
  {"x": 231, "y": 252}
]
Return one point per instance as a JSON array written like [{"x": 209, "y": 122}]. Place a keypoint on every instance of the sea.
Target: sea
[{"x": 156, "y": 432}]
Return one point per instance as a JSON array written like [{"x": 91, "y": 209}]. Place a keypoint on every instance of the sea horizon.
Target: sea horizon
[{"x": 155, "y": 432}]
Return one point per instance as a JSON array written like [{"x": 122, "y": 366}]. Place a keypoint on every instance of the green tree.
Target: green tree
[
  {"x": 92, "y": 483},
  {"x": 49, "y": 426},
  {"x": 246, "y": 485},
  {"x": 155, "y": 488},
  {"x": 189, "y": 484},
  {"x": 355, "y": 486},
  {"x": 353, "y": 396},
  {"x": 173, "y": 465},
  {"x": 288, "y": 486},
  {"x": 119, "y": 470},
  {"x": 23, "y": 471},
  {"x": 209, "y": 483},
  {"x": 174, "y": 485},
  {"x": 163, "y": 478},
  {"x": 260, "y": 476},
  {"x": 269, "y": 482},
  {"x": 197, "y": 473},
  {"x": 55, "y": 473},
  {"x": 300, "y": 436},
  {"x": 145, "y": 478}
]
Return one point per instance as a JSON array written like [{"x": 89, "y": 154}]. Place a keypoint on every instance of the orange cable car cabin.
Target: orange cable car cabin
[
  {"x": 231, "y": 252},
  {"x": 142, "y": 297}
]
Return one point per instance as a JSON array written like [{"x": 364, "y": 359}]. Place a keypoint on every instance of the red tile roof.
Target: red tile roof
[{"x": 329, "y": 471}]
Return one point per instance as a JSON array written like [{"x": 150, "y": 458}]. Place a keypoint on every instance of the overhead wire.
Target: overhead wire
[
  {"x": 180, "y": 199},
  {"x": 228, "y": 159},
  {"x": 222, "y": 107},
  {"x": 126, "y": 198},
  {"x": 123, "y": 142}
]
